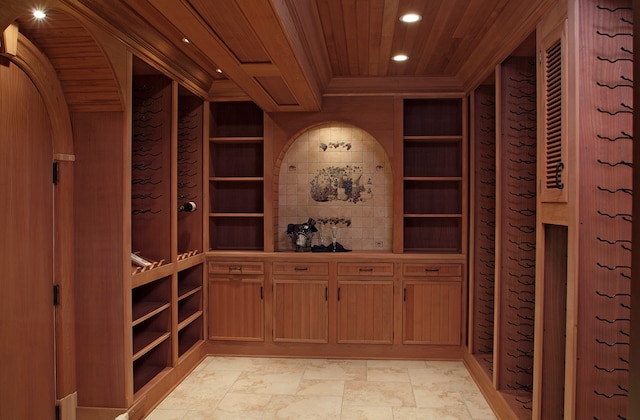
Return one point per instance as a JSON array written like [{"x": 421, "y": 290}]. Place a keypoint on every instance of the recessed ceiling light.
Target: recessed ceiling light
[
  {"x": 400, "y": 57},
  {"x": 185, "y": 40},
  {"x": 39, "y": 14},
  {"x": 219, "y": 71},
  {"x": 410, "y": 17}
]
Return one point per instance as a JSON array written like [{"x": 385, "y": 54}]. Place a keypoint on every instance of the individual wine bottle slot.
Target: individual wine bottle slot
[{"x": 188, "y": 206}]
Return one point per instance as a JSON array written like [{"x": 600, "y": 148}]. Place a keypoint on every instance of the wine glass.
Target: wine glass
[{"x": 334, "y": 235}]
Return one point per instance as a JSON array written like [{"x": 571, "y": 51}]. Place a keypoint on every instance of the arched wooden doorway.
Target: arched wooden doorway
[{"x": 27, "y": 376}]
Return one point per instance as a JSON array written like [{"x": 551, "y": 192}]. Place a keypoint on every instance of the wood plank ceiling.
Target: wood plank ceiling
[{"x": 287, "y": 54}]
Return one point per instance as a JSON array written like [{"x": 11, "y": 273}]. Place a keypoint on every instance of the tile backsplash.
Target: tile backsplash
[{"x": 337, "y": 174}]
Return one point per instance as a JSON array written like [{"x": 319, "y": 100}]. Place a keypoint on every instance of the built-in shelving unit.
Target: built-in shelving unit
[
  {"x": 433, "y": 175},
  {"x": 236, "y": 177},
  {"x": 144, "y": 316}
]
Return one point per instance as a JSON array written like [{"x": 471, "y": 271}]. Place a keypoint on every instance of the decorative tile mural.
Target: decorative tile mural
[{"x": 337, "y": 174}]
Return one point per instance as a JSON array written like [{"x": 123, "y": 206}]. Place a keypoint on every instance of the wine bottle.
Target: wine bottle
[{"x": 188, "y": 206}]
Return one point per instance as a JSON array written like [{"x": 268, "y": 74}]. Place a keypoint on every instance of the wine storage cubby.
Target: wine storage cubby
[
  {"x": 516, "y": 232},
  {"x": 483, "y": 193},
  {"x": 151, "y": 330},
  {"x": 189, "y": 164},
  {"x": 190, "y": 308},
  {"x": 236, "y": 177},
  {"x": 433, "y": 175},
  {"x": 151, "y": 167}
]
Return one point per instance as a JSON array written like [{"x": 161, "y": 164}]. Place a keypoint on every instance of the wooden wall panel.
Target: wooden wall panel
[
  {"x": 603, "y": 264},
  {"x": 101, "y": 296}
]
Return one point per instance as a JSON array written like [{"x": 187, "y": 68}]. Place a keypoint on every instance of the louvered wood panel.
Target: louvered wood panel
[{"x": 553, "y": 162}]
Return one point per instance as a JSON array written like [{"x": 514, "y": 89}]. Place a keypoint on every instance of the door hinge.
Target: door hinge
[
  {"x": 56, "y": 295},
  {"x": 58, "y": 412},
  {"x": 55, "y": 173}
]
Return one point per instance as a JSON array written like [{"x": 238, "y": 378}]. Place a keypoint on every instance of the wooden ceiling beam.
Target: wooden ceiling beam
[{"x": 393, "y": 85}]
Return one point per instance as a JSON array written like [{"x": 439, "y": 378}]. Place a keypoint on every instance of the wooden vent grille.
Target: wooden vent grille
[{"x": 553, "y": 117}]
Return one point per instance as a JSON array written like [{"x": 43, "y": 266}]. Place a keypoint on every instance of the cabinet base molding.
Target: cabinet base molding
[
  {"x": 335, "y": 351},
  {"x": 98, "y": 413},
  {"x": 496, "y": 399},
  {"x": 153, "y": 393},
  {"x": 68, "y": 406}
]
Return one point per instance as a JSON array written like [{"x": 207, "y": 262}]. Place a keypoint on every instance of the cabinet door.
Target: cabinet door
[
  {"x": 300, "y": 310},
  {"x": 432, "y": 311},
  {"x": 236, "y": 308},
  {"x": 365, "y": 311}
]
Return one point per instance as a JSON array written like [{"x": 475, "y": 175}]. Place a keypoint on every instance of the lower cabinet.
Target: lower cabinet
[
  {"x": 432, "y": 303},
  {"x": 236, "y": 301},
  {"x": 284, "y": 306},
  {"x": 300, "y": 310},
  {"x": 365, "y": 303},
  {"x": 365, "y": 311},
  {"x": 300, "y": 302}
]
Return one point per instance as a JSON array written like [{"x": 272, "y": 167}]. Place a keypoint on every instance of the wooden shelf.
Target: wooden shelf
[
  {"x": 145, "y": 310},
  {"x": 144, "y": 343},
  {"x": 187, "y": 290},
  {"x": 237, "y": 179},
  {"x": 432, "y": 215},
  {"x": 236, "y": 176},
  {"x": 188, "y": 320},
  {"x": 453, "y": 139},
  {"x": 433, "y": 150},
  {"x": 190, "y": 334},
  {"x": 235, "y": 140}
]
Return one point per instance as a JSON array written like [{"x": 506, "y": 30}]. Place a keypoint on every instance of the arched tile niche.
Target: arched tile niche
[{"x": 337, "y": 174}]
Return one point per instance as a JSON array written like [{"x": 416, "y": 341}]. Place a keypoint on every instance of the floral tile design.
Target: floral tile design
[
  {"x": 342, "y": 183},
  {"x": 337, "y": 174}
]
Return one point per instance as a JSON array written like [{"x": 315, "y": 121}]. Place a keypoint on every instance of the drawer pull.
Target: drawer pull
[
  {"x": 431, "y": 270},
  {"x": 366, "y": 269},
  {"x": 301, "y": 268},
  {"x": 235, "y": 268}
]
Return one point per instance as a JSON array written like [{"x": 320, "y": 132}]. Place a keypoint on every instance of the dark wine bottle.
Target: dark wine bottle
[{"x": 188, "y": 206}]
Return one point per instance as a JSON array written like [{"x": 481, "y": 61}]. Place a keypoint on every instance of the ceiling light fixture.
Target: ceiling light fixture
[
  {"x": 219, "y": 71},
  {"x": 185, "y": 40},
  {"x": 400, "y": 57},
  {"x": 39, "y": 14},
  {"x": 410, "y": 18}
]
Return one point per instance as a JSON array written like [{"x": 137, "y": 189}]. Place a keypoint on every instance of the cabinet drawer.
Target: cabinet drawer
[
  {"x": 432, "y": 270},
  {"x": 365, "y": 269},
  {"x": 226, "y": 267},
  {"x": 301, "y": 268}
]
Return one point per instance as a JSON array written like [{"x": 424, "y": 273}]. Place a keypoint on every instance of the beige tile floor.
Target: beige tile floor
[{"x": 268, "y": 388}]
